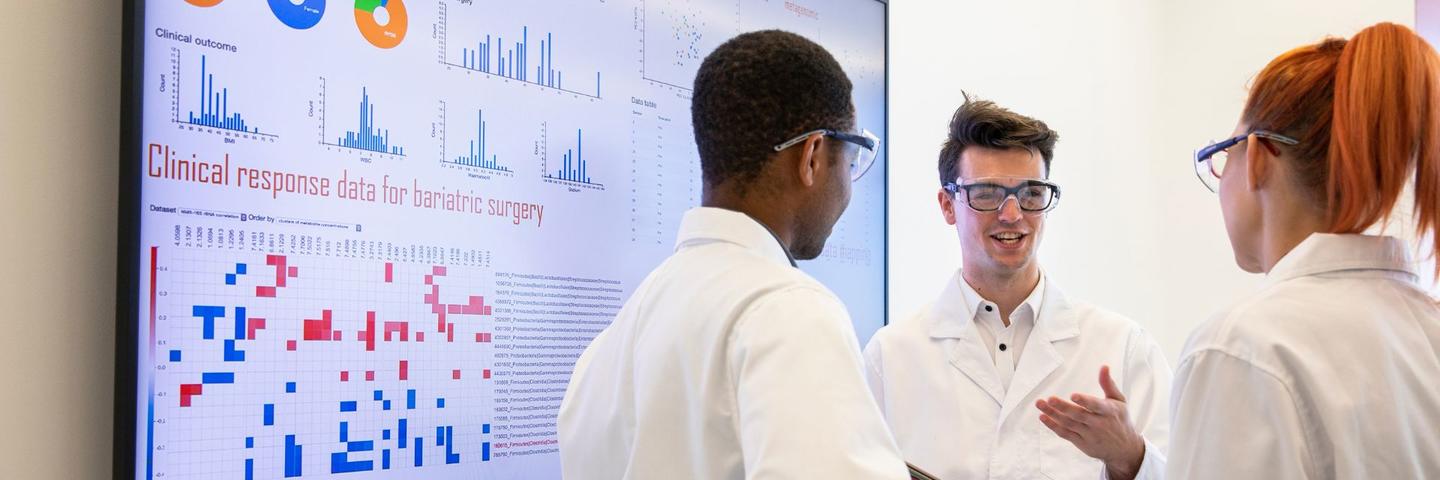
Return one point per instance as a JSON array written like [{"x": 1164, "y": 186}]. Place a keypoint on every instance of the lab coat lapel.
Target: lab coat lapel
[
  {"x": 1055, "y": 323},
  {"x": 950, "y": 319}
]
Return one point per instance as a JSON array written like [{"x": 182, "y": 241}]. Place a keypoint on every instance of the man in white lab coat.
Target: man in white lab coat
[
  {"x": 727, "y": 362},
  {"x": 960, "y": 383}
]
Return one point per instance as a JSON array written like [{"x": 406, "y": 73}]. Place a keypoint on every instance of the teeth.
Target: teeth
[{"x": 1008, "y": 236}]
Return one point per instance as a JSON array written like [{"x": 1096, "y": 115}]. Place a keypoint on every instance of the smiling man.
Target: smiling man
[{"x": 959, "y": 382}]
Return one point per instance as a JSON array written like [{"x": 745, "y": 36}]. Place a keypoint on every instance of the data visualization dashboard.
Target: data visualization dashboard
[{"x": 373, "y": 237}]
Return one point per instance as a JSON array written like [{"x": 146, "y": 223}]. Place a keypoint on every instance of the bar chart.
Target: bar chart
[
  {"x": 478, "y": 153},
  {"x": 491, "y": 54},
  {"x": 364, "y": 135},
  {"x": 211, "y": 109},
  {"x": 573, "y": 168}
]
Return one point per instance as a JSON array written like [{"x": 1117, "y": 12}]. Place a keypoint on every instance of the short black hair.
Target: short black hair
[
  {"x": 983, "y": 123},
  {"x": 760, "y": 89}
]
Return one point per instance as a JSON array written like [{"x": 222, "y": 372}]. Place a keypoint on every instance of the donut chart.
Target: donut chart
[
  {"x": 382, "y": 22},
  {"x": 298, "y": 14}
]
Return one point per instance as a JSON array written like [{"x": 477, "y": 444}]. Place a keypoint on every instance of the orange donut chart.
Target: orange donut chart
[
  {"x": 382, "y": 22},
  {"x": 204, "y": 3}
]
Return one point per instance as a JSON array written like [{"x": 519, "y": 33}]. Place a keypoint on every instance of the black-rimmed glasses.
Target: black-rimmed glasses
[{"x": 988, "y": 195}]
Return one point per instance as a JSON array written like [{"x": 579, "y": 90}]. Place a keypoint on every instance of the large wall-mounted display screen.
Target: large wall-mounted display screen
[{"x": 371, "y": 238}]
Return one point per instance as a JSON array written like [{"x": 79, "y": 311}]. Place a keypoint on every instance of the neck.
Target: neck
[
  {"x": 1285, "y": 228},
  {"x": 1007, "y": 289},
  {"x": 760, "y": 209}
]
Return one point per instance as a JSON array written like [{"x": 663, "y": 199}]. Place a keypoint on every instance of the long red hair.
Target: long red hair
[{"x": 1367, "y": 113}]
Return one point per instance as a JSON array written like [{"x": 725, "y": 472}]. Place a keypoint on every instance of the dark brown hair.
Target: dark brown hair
[{"x": 983, "y": 123}]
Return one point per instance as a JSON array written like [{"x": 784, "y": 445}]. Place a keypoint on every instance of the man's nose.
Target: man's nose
[{"x": 1010, "y": 210}]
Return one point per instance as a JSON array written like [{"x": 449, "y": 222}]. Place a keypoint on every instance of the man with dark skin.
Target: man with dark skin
[{"x": 728, "y": 362}]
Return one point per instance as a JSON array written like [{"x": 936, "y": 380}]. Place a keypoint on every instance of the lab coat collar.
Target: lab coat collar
[
  {"x": 950, "y": 318},
  {"x": 1322, "y": 253},
  {"x": 703, "y": 225}
]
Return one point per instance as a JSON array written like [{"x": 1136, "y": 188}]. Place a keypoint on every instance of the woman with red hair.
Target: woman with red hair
[{"x": 1331, "y": 370}]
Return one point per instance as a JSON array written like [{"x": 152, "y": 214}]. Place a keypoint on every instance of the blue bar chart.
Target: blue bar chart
[
  {"x": 211, "y": 108},
  {"x": 479, "y": 153},
  {"x": 365, "y": 134},
  {"x": 573, "y": 168},
  {"x": 513, "y": 59}
]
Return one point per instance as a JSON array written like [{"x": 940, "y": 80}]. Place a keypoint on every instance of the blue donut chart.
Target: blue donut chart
[{"x": 300, "y": 17}]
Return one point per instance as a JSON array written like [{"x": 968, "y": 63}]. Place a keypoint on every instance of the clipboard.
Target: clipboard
[{"x": 917, "y": 474}]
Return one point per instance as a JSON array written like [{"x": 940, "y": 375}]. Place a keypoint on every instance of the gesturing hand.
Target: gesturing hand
[{"x": 1099, "y": 427}]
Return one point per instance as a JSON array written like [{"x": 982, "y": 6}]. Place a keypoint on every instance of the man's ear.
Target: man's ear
[
  {"x": 947, "y": 207},
  {"x": 811, "y": 162}
]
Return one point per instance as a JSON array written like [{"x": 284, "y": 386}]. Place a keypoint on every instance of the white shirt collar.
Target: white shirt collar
[
  {"x": 974, "y": 302},
  {"x": 1051, "y": 322},
  {"x": 1326, "y": 252},
  {"x": 703, "y": 225}
]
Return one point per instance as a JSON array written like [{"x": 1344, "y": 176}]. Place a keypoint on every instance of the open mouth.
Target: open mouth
[{"x": 1009, "y": 238}]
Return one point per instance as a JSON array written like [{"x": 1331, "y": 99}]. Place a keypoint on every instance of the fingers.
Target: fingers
[
  {"x": 1108, "y": 384},
  {"x": 1060, "y": 430},
  {"x": 1092, "y": 403},
  {"x": 1072, "y": 416}
]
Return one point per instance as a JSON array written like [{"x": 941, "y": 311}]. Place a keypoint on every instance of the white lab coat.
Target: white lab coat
[
  {"x": 1331, "y": 371},
  {"x": 942, "y": 397},
  {"x": 726, "y": 363}
]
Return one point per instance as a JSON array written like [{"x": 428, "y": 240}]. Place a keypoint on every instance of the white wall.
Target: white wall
[
  {"x": 1133, "y": 87},
  {"x": 59, "y": 104}
]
